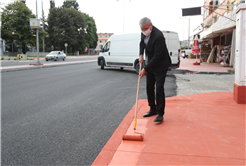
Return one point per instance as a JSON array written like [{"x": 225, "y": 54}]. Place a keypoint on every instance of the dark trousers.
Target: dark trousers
[{"x": 156, "y": 80}]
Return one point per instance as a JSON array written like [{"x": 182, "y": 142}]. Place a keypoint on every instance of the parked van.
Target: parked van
[{"x": 123, "y": 50}]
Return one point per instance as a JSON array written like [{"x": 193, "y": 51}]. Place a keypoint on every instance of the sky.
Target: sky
[{"x": 122, "y": 16}]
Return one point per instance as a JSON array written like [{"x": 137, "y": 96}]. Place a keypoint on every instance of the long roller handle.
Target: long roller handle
[{"x": 136, "y": 107}]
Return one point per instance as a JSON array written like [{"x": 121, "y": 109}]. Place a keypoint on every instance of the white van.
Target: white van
[{"x": 123, "y": 50}]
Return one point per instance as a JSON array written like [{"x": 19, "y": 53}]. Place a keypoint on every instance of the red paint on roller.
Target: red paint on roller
[{"x": 129, "y": 137}]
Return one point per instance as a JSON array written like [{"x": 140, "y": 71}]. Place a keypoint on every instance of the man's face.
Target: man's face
[{"x": 146, "y": 27}]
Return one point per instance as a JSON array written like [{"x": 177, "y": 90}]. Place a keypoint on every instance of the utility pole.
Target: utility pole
[
  {"x": 43, "y": 25},
  {"x": 124, "y": 14},
  {"x": 37, "y": 35},
  {"x": 189, "y": 34},
  {"x": 35, "y": 24}
]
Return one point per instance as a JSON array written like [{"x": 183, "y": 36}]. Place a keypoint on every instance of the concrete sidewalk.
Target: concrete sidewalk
[{"x": 200, "y": 129}]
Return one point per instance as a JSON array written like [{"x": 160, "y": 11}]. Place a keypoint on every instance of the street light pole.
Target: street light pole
[
  {"x": 37, "y": 35},
  {"x": 43, "y": 25},
  {"x": 189, "y": 35},
  {"x": 124, "y": 14}
]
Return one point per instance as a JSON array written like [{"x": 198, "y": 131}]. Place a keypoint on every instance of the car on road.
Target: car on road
[
  {"x": 55, "y": 55},
  {"x": 185, "y": 53}
]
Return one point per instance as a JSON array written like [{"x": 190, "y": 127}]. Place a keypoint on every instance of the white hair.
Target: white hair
[{"x": 145, "y": 20}]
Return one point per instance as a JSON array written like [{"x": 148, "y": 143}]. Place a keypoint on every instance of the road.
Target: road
[{"x": 65, "y": 115}]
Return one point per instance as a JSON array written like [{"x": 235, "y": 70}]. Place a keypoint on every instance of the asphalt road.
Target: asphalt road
[
  {"x": 5, "y": 63},
  {"x": 65, "y": 115}
]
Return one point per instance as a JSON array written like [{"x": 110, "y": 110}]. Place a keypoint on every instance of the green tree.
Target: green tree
[
  {"x": 16, "y": 25},
  {"x": 91, "y": 32},
  {"x": 71, "y": 4},
  {"x": 52, "y": 4},
  {"x": 66, "y": 25}
]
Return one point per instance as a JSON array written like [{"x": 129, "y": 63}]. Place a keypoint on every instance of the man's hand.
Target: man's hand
[
  {"x": 140, "y": 59},
  {"x": 142, "y": 73}
]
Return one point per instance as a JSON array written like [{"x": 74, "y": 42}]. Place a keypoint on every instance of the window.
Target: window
[
  {"x": 206, "y": 13},
  {"x": 106, "y": 36},
  {"x": 216, "y": 2},
  {"x": 234, "y": 6},
  {"x": 215, "y": 19},
  {"x": 106, "y": 47},
  {"x": 100, "y": 36}
]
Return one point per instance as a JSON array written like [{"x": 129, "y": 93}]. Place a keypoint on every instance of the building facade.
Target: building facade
[
  {"x": 102, "y": 39},
  {"x": 219, "y": 26}
]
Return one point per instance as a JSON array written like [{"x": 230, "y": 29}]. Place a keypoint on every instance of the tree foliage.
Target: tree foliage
[
  {"x": 91, "y": 29},
  {"x": 16, "y": 25},
  {"x": 52, "y": 4},
  {"x": 68, "y": 25},
  {"x": 71, "y": 4}
]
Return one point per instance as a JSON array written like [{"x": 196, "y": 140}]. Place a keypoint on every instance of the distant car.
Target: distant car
[
  {"x": 185, "y": 53},
  {"x": 55, "y": 55}
]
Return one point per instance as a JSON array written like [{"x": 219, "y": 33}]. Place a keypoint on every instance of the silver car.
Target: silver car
[
  {"x": 55, "y": 55},
  {"x": 185, "y": 53}
]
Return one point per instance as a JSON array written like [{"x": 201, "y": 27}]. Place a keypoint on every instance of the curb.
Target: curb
[
  {"x": 20, "y": 68},
  {"x": 189, "y": 72}
]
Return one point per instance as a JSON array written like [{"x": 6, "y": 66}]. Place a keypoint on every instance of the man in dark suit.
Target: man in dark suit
[{"x": 157, "y": 62}]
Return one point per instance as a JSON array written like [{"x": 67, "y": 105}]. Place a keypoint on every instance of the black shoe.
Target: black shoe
[
  {"x": 150, "y": 113},
  {"x": 158, "y": 118}
]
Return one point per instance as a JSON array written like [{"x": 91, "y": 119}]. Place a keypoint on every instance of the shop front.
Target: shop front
[{"x": 218, "y": 41}]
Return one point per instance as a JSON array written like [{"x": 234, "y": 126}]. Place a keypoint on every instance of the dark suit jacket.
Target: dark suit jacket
[{"x": 156, "y": 50}]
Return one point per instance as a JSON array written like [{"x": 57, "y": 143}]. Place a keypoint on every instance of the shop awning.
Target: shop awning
[{"x": 222, "y": 26}]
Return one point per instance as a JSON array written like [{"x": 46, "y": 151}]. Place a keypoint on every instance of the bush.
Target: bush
[
  {"x": 184, "y": 48},
  {"x": 232, "y": 71}
]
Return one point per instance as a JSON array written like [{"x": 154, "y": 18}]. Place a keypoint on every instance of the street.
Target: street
[{"x": 65, "y": 115}]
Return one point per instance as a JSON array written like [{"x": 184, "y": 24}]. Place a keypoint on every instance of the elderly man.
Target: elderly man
[{"x": 157, "y": 62}]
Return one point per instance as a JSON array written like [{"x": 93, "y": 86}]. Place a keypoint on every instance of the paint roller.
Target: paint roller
[{"x": 137, "y": 136}]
